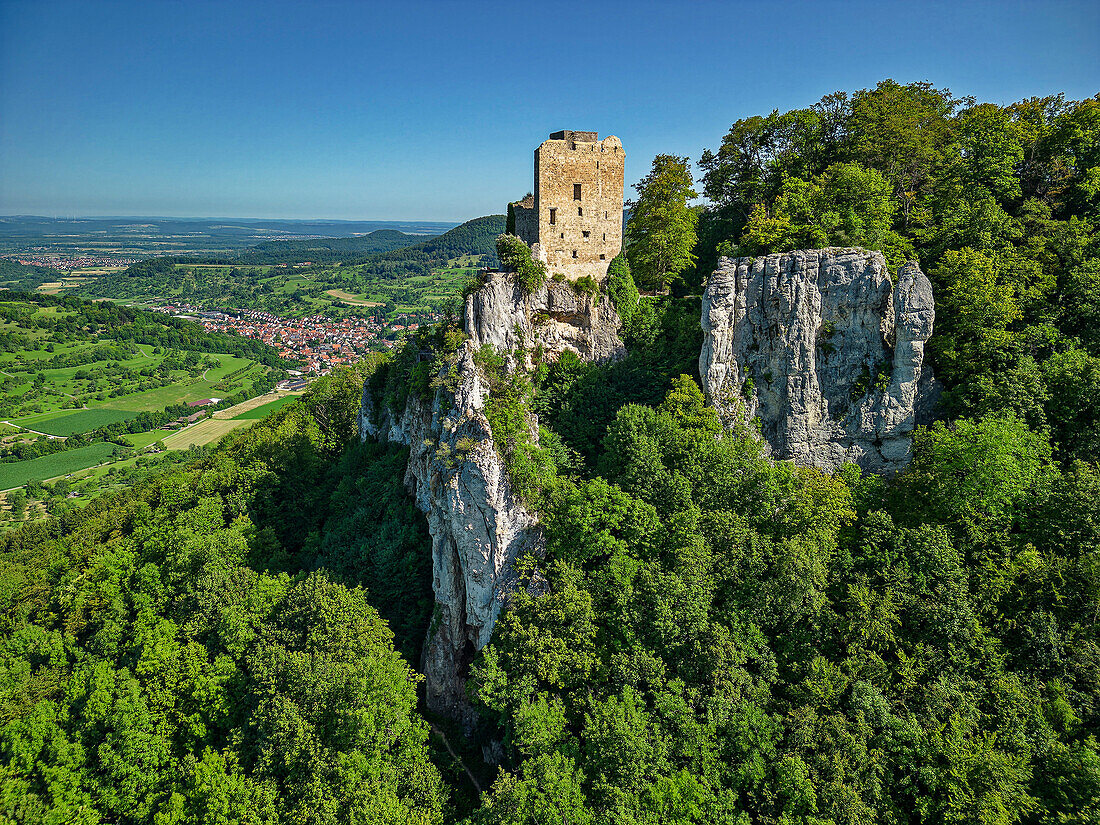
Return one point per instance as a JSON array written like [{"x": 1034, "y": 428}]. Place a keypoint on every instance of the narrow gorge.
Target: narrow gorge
[{"x": 479, "y": 525}]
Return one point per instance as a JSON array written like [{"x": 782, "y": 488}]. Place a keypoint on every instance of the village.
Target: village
[
  {"x": 67, "y": 262},
  {"x": 320, "y": 343}
]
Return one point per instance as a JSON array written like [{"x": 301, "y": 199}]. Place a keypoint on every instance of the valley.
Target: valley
[
  {"x": 102, "y": 386},
  {"x": 94, "y": 388}
]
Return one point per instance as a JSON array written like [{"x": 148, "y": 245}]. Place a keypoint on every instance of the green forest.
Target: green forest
[{"x": 711, "y": 636}]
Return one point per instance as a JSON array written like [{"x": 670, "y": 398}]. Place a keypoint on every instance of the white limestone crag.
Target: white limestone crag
[
  {"x": 555, "y": 317},
  {"x": 479, "y": 526},
  {"x": 825, "y": 349}
]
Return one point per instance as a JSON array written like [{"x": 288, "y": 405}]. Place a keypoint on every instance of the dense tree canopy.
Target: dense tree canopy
[
  {"x": 998, "y": 203},
  {"x": 720, "y": 638},
  {"x": 198, "y": 652}
]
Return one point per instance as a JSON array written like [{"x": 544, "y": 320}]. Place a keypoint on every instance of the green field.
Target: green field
[
  {"x": 80, "y": 421},
  {"x": 264, "y": 410},
  {"x": 19, "y": 473},
  {"x": 69, "y": 367},
  {"x": 142, "y": 440}
]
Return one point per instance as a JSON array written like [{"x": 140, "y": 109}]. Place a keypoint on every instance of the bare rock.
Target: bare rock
[
  {"x": 555, "y": 316},
  {"x": 825, "y": 349}
]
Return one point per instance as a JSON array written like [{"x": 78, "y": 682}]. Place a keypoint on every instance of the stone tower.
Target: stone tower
[{"x": 574, "y": 220}]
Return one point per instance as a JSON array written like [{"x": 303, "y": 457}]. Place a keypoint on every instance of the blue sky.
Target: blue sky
[{"x": 431, "y": 110}]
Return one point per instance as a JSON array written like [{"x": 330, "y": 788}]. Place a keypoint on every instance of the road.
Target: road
[{"x": 36, "y": 432}]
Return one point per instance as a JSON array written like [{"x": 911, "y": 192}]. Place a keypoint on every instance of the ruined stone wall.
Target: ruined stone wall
[
  {"x": 578, "y": 236},
  {"x": 527, "y": 227}
]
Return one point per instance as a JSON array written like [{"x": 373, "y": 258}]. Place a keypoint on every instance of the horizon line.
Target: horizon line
[{"x": 230, "y": 218}]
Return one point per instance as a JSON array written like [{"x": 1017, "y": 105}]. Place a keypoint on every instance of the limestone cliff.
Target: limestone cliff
[
  {"x": 825, "y": 349},
  {"x": 478, "y": 525},
  {"x": 554, "y": 317}
]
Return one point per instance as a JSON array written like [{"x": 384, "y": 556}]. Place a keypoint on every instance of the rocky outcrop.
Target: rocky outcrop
[
  {"x": 825, "y": 349},
  {"x": 555, "y": 317},
  {"x": 479, "y": 527}
]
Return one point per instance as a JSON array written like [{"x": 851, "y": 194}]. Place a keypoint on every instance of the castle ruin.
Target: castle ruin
[{"x": 574, "y": 220}]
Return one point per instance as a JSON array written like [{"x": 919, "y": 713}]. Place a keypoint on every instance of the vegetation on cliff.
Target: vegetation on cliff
[
  {"x": 999, "y": 203},
  {"x": 515, "y": 256}
]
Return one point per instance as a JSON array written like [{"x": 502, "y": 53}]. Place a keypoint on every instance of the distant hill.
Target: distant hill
[
  {"x": 475, "y": 237},
  {"x": 327, "y": 250},
  {"x": 181, "y": 236},
  {"x": 385, "y": 253},
  {"x": 243, "y": 282}
]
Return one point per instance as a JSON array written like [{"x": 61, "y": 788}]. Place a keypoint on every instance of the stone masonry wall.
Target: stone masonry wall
[
  {"x": 527, "y": 227},
  {"x": 578, "y": 236}
]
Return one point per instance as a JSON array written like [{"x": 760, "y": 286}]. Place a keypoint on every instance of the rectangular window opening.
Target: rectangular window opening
[
  {"x": 576, "y": 191},
  {"x": 580, "y": 211},
  {"x": 574, "y": 253},
  {"x": 585, "y": 234},
  {"x": 603, "y": 257},
  {"x": 553, "y": 216}
]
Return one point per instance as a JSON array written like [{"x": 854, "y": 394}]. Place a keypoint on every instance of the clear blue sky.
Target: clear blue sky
[{"x": 431, "y": 110}]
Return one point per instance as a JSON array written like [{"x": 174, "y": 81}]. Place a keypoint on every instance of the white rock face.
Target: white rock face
[
  {"x": 478, "y": 525},
  {"x": 825, "y": 349},
  {"x": 555, "y": 316}
]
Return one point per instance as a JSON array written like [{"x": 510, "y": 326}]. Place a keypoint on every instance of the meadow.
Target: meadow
[
  {"x": 18, "y": 473},
  {"x": 265, "y": 410},
  {"x": 63, "y": 423},
  {"x": 205, "y": 432}
]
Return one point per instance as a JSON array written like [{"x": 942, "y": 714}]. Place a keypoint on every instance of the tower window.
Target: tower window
[
  {"x": 574, "y": 253},
  {"x": 585, "y": 234},
  {"x": 605, "y": 216},
  {"x": 553, "y": 216},
  {"x": 580, "y": 210},
  {"x": 562, "y": 235},
  {"x": 605, "y": 236},
  {"x": 576, "y": 191},
  {"x": 603, "y": 257}
]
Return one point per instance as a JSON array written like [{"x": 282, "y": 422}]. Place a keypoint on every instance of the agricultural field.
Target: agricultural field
[
  {"x": 205, "y": 432},
  {"x": 263, "y": 411},
  {"x": 380, "y": 275},
  {"x": 18, "y": 473},
  {"x": 88, "y": 386},
  {"x": 64, "y": 423},
  {"x": 293, "y": 292}
]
